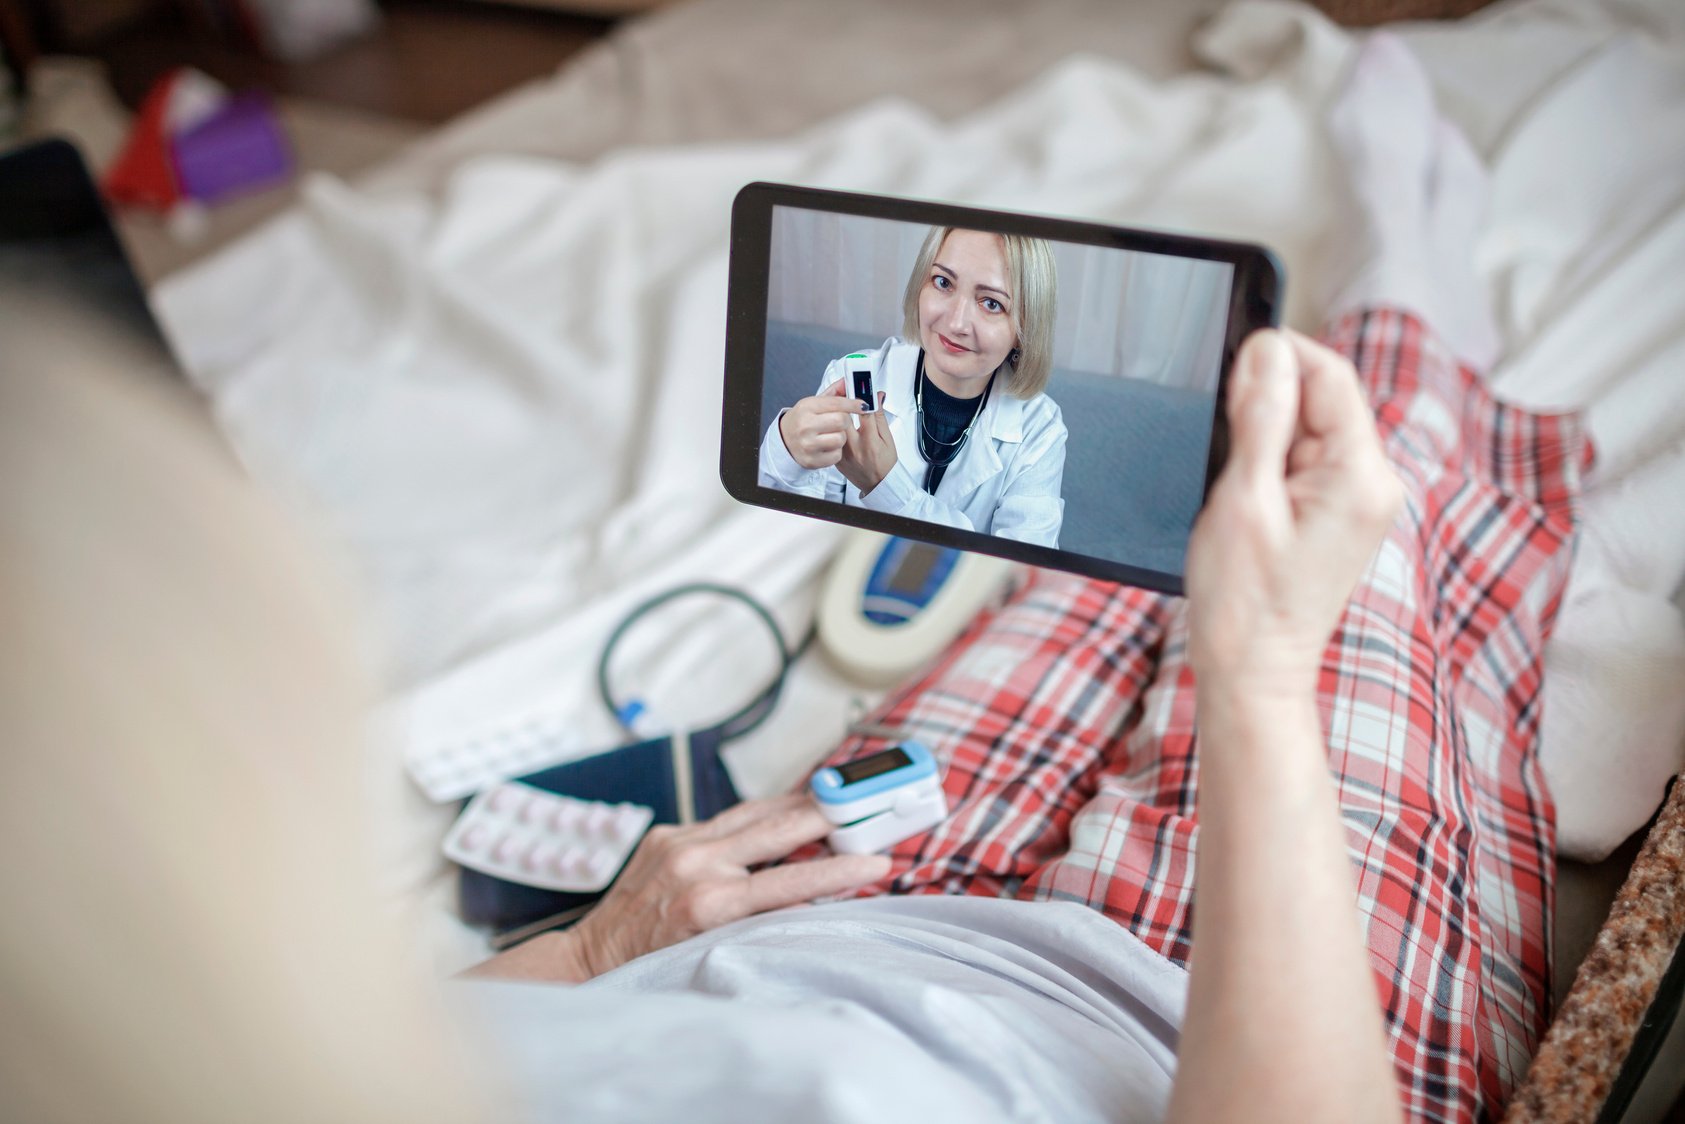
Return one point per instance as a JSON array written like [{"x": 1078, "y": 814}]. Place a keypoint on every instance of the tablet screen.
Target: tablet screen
[{"x": 1059, "y": 396}]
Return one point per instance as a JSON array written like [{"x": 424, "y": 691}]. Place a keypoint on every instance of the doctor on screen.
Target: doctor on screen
[{"x": 963, "y": 435}]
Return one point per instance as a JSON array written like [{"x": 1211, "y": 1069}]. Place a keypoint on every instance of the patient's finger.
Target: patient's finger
[
  {"x": 1331, "y": 400},
  {"x": 796, "y": 883},
  {"x": 775, "y": 835},
  {"x": 740, "y": 816},
  {"x": 1263, "y": 405},
  {"x": 835, "y": 390}
]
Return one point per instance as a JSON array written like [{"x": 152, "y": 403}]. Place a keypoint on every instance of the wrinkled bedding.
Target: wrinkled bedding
[{"x": 493, "y": 368}]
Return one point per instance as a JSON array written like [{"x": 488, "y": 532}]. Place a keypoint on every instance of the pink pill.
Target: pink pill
[
  {"x": 565, "y": 817},
  {"x": 567, "y": 860},
  {"x": 598, "y": 818},
  {"x": 539, "y": 856},
  {"x": 506, "y": 849},
  {"x": 505, "y": 800},
  {"x": 475, "y": 837}
]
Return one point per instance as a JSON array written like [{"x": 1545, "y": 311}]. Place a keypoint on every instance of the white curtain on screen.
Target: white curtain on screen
[{"x": 1145, "y": 316}]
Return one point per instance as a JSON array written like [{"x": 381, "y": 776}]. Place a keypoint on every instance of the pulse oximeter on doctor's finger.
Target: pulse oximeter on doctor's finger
[{"x": 880, "y": 799}]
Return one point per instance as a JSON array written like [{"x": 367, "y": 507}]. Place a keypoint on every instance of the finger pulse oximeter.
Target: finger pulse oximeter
[
  {"x": 880, "y": 799},
  {"x": 858, "y": 370}
]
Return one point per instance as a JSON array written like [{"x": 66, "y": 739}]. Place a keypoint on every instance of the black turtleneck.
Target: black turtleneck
[{"x": 945, "y": 419}]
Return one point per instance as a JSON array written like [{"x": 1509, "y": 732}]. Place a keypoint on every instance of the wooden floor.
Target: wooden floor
[{"x": 429, "y": 60}]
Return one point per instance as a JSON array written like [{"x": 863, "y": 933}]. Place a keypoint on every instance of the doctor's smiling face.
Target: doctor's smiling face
[{"x": 966, "y": 317}]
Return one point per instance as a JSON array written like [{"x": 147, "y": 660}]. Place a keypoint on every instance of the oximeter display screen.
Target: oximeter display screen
[
  {"x": 863, "y": 387},
  {"x": 876, "y": 765},
  {"x": 914, "y": 569}
]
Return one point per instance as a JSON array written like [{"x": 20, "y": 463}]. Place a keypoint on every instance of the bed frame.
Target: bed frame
[{"x": 1626, "y": 995}]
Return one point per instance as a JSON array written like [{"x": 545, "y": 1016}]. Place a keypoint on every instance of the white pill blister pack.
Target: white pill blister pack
[{"x": 524, "y": 834}]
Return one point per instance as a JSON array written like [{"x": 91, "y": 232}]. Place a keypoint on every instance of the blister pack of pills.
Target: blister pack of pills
[
  {"x": 451, "y": 770},
  {"x": 523, "y": 834}
]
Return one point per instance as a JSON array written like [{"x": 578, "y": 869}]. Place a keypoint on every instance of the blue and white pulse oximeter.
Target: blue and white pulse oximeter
[{"x": 880, "y": 799}]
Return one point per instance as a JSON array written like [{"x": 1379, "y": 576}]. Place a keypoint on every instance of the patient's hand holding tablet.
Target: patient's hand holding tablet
[{"x": 1045, "y": 390}]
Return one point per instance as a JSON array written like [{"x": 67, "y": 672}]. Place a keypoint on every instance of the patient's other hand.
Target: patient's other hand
[
  {"x": 682, "y": 881},
  {"x": 816, "y": 428},
  {"x": 1291, "y": 523}
]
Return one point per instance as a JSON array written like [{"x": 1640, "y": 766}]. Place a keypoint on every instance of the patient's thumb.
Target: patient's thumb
[{"x": 1263, "y": 406}]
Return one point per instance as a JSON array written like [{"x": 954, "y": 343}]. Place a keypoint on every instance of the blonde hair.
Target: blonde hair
[
  {"x": 1035, "y": 289},
  {"x": 191, "y": 931}
]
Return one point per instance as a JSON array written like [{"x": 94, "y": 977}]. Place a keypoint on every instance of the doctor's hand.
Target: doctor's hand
[
  {"x": 1290, "y": 525},
  {"x": 682, "y": 881},
  {"x": 815, "y": 428},
  {"x": 868, "y": 453}
]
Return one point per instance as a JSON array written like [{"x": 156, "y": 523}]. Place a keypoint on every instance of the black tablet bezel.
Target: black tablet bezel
[{"x": 1255, "y": 302}]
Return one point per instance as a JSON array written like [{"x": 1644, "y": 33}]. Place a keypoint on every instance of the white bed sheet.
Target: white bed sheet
[{"x": 494, "y": 367}]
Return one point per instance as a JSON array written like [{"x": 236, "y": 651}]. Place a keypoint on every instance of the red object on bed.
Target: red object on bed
[{"x": 144, "y": 175}]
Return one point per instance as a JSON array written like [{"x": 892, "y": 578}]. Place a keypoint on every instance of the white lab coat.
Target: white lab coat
[{"x": 1005, "y": 481}]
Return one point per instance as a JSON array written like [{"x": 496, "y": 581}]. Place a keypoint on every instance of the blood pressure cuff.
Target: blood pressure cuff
[{"x": 641, "y": 773}]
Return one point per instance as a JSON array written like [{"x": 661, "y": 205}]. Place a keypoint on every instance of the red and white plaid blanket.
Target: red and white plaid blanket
[{"x": 1066, "y": 723}]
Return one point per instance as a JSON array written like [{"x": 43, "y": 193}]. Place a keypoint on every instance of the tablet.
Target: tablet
[{"x": 1049, "y": 391}]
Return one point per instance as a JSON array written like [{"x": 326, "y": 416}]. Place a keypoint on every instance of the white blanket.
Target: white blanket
[{"x": 497, "y": 376}]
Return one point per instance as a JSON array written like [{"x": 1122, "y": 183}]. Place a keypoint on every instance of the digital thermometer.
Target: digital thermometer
[{"x": 880, "y": 799}]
